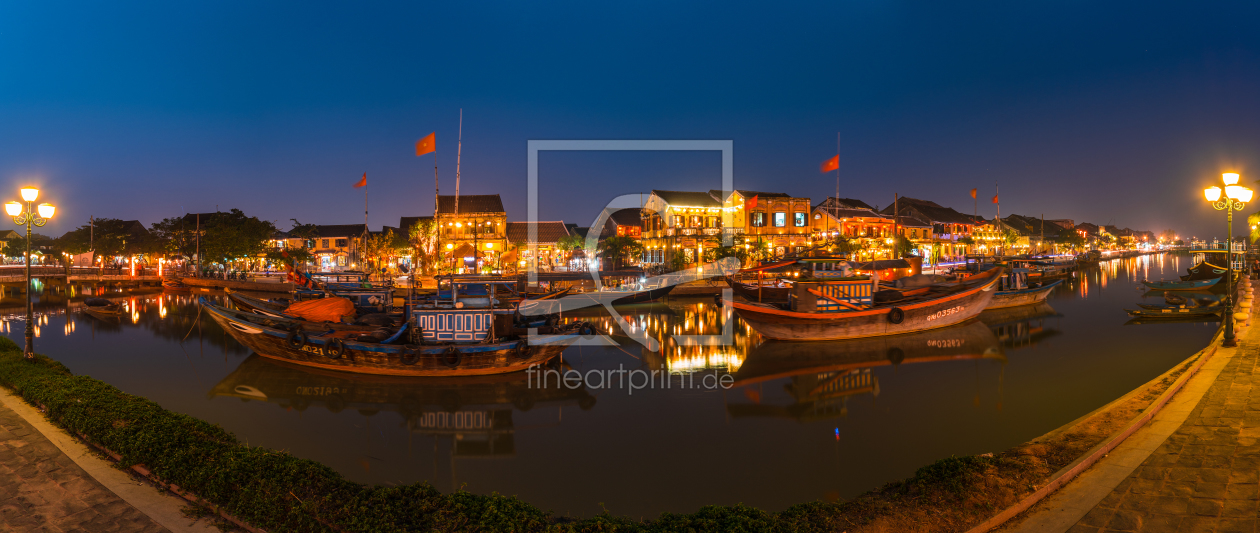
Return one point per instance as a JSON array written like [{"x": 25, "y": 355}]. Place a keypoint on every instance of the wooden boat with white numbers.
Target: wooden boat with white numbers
[{"x": 832, "y": 310}]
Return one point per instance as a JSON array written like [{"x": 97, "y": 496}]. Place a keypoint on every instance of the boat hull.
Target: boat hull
[
  {"x": 919, "y": 316},
  {"x": 388, "y": 360},
  {"x": 751, "y": 293},
  {"x": 1193, "y": 285},
  {"x": 1003, "y": 299}
]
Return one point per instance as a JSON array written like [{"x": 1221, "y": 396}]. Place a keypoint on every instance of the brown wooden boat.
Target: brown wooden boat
[
  {"x": 103, "y": 309},
  {"x": 288, "y": 340},
  {"x": 833, "y": 310}
]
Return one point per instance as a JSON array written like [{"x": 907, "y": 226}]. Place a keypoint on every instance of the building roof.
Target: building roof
[
  {"x": 405, "y": 223},
  {"x": 687, "y": 198},
  {"x": 842, "y": 213},
  {"x": 548, "y": 232},
  {"x": 717, "y": 194},
  {"x": 627, "y": 217},
  {"x": 846, "y": 203},
  {"x": 471, "y": 203},
  {"x": 928, "y": 212},
  {"x": 339, "y": 230}
]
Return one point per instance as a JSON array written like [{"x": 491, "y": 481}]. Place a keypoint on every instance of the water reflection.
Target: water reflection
[
  {"x": 823, "y": 375},
  {"x": 474, "y": 412},
  {"x": 805, "y": 420}
]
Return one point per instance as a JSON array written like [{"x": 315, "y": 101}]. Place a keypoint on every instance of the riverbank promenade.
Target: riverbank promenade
[
  {"x": 42, "y": 489},
  {"x": 1205, "y": 477}
]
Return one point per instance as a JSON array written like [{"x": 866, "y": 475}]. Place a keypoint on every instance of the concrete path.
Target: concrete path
[
  {"x": 1204, "y": 477},
  {"x": 51, "y": 482},
  {"x": 42, "y": 489}
]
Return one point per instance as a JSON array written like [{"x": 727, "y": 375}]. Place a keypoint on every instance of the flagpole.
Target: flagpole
[{"x": 458, "y": 151}]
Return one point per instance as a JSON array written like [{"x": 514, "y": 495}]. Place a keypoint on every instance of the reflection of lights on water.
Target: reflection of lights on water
[{"x": 680, "y": 362}]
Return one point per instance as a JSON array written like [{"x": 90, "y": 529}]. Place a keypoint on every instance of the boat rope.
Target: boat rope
[{"x": 195, "y": 321}]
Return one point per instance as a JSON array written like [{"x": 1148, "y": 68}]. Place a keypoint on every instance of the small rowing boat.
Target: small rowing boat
[
  {"x": 102, "y": 308},
  {"x": 1175, "y": 312},
  {"x": 1015, "y": 290},
  {"x": 1191, "y": 285}
]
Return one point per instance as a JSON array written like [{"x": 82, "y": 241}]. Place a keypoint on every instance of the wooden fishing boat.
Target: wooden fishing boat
[
  {"x": 1204, "y": 270},
  {"x": 1192, "y": 285},
  {"x": 833, "y": 310},
  {"x": 465, "y": 342},
  {"x": 103, "y": 309},
  {"x": 1015, "y": 289},
  {"x": 1175, "y": 312},
  {"x": 175, "y": 285},
  {"x": 256, "y": 305}
]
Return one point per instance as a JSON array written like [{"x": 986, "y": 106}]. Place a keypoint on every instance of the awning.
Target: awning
[
  {"x": 465, "y": 250},
  {"x": 509, "y": 257}
]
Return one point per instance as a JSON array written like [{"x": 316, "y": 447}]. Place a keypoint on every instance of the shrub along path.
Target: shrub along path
[{"x": 42, "y": 489}]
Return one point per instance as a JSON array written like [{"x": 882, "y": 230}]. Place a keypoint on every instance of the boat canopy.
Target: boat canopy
[{"x": 883, "y": 264}]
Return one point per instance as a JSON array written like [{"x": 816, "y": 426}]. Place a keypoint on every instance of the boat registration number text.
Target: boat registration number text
[{"x": 944, "y": 313}]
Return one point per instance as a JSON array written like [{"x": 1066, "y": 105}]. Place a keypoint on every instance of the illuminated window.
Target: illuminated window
[
  {"x": 341, "y": 243},
  {"x": 798, "y": 219},
  {"x": 780, "y": 219},
  {"x": 758, "y": 219}
]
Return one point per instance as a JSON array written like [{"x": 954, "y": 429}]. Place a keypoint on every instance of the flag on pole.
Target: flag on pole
[
  {"x": 995, "y": 198},
  {"x": 752, "y": 202},
  {"x": 831, "y": 164},
  {"x": 425, "y": 145},
  {"x": 973, "y": 193},
  {"x": 362, "y": 181}
]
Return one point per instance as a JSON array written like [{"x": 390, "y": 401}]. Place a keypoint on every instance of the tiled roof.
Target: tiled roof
[
  {"x": 687, "y": 198},
  {"x": 339, "y": 230},
  {"x": 717, "y": 194},
  {"x": 471, "y": 203},
  {"x": 930, "y": 211},
  {"x": 626, "y": 217},
  {"x": 405, "y": 223},
  {"x": 850, "y": 213},
  {"x": 548, "y": 232}
]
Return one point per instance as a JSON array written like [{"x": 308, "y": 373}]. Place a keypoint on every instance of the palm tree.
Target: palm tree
[{"x": 616, "y": 248}]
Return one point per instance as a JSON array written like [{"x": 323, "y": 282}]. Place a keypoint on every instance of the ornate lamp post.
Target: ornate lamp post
[
  {"x": 1236, "y": 198},
  {"x": 37, "y": 216}
]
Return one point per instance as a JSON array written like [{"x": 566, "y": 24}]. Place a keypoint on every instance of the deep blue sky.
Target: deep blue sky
[{"x": 1102, "y": 112}]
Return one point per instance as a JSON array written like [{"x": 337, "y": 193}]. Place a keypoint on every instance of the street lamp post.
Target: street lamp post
[
  {"x": 37, "y": 216},
  {"x": 1235, "y": 199}
]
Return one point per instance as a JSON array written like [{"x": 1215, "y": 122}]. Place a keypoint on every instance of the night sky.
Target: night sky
[{"x": 1100, "y": 112}]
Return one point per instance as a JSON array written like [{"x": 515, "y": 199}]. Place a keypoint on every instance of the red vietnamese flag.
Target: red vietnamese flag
[
  {"x": 362, "y": 181},
  {"x": 752, "y": 202},
  {"x": 995, "y": 198},
  {"x": 426, "y": 145},
  {"x": 831, "y": 164},
  {"x": 973, "y": 193}
]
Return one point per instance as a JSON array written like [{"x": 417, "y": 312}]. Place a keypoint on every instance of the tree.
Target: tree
[
  {"x": 718, "y": 251},
  {"x": 422, "y": 239},
  {"x": 617, "y": 248},
  {"x": 1071, "y": 239},
  {"x": 176, "y": 236},
  {"x": 903, "y": 247},
  {"x": 570, "y": 244},
  {"x": 111, "y": 238},
  {"x": 233, "y": 236},
  {"x": 380, "y": 247}
]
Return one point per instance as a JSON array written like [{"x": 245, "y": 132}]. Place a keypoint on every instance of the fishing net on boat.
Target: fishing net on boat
[{"x": 329, "y": 309}]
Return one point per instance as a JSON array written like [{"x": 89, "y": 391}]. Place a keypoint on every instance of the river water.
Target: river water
[{"x": 763, "y": 423}]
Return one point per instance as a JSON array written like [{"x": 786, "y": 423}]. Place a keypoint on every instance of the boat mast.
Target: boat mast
[{"x": 458, "y": 151}]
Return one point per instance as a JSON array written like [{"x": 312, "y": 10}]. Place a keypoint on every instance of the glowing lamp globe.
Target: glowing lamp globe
[
  {"x": 1212, "y": 193},
  {"x": 1239, "y": 193},
  {"x": 30, "y": 194},
  {"x": 1231, "y": 178},
  {"x": 46, "y": 210},
  {"x": 13, "y": 209}
]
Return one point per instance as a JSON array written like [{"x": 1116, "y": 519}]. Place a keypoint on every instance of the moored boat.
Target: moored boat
[
  {"x": 102, "y": 308},
  {"x": 1175, "y": 312},
  {"x": 1015, "y": 290},
  {"x": 466, "y": 342},
  {"x": 834, "y": 310},
  {"x": 1192, "y": 285}
]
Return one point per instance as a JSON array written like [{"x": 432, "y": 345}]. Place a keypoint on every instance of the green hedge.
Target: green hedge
[{"x": 281, "y": 493}]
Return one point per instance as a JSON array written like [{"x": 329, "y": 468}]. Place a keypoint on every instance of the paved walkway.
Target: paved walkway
[
  {"x": 43, "y": 490},
  {"x": 1204, "y": 477}
]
